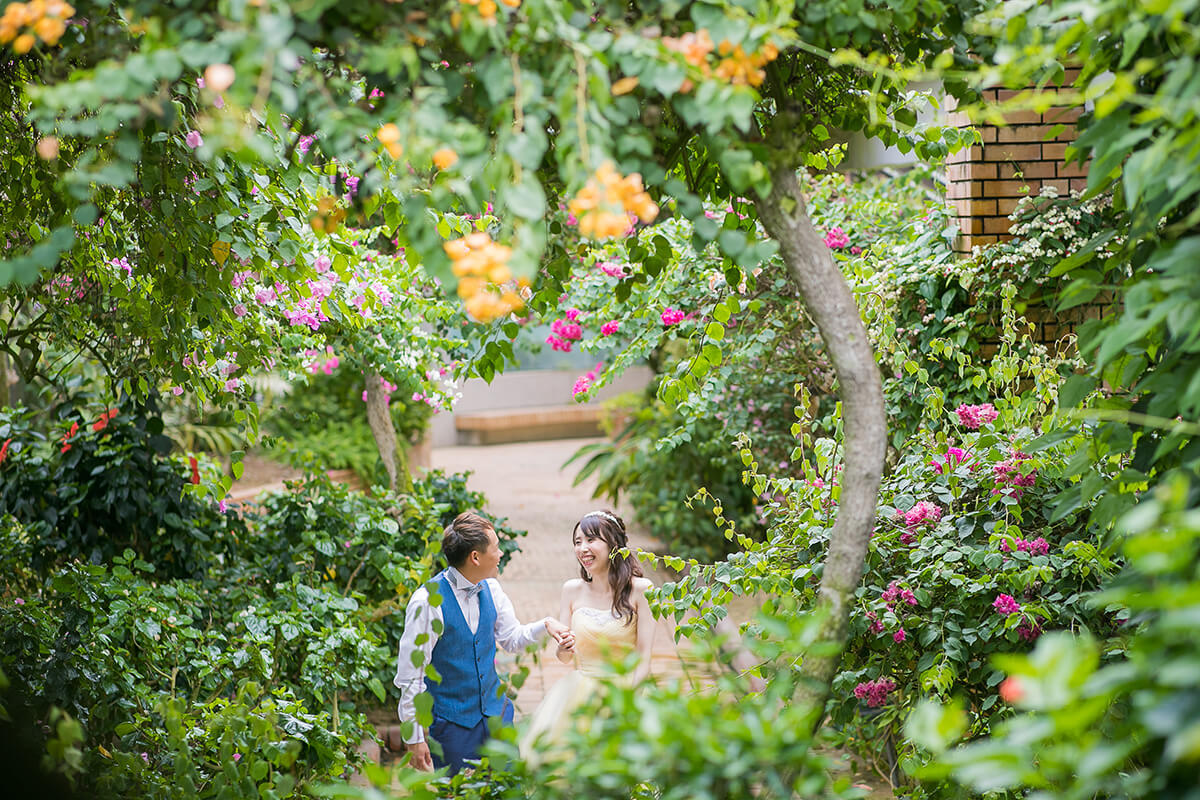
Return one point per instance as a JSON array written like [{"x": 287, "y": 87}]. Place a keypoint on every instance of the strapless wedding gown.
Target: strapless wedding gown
[{"x": 601, "y": 640}]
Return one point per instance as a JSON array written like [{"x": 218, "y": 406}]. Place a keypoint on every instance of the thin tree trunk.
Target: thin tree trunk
[
  {"x": 381, "y": 426},
  {"x": 831, "y": 305}
]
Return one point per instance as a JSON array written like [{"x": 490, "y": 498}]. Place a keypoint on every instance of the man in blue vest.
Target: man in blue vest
[{"x": 457, "y": 634}]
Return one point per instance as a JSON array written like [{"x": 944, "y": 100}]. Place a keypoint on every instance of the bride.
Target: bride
[{"x": 609, "y": 619}]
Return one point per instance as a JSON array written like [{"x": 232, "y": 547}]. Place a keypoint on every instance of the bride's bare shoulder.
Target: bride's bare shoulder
[
  {"x": 640, "y": 585},
  {"x": 572, "y": 587}
]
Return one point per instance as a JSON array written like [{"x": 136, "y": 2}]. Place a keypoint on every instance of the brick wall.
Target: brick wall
[{"x": 985, "y": 181}]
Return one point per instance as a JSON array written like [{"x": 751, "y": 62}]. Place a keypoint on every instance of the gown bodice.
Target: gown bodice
[{"x": 601, "y": 638}]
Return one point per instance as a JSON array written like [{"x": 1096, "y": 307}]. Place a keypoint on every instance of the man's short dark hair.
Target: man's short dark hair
[{"x": 468, "y": 533}]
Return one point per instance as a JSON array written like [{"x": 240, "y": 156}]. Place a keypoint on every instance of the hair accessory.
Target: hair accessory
[{"x": 604, "y": 514}]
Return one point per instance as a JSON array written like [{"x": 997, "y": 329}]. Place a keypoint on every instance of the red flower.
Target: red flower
[
  {"x": 1011, "y": 690},
  {"x": 105, "y": 418},
  {"x": 4, "y": 449},
  {"x": 195, "y": 465},
  {"x": 66, "y": 436}
]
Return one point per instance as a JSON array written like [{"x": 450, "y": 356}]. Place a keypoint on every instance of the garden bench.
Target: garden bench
[{"x": 534, "y": 423}]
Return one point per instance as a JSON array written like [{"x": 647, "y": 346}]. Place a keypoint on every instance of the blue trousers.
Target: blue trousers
[{"x": 460, "y": 744}]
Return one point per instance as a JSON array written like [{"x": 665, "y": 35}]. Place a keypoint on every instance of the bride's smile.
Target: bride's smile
[{"x": 592, "y": 553}]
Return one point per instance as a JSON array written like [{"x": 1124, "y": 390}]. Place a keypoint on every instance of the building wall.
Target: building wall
[{"x": 985, "y": 181}]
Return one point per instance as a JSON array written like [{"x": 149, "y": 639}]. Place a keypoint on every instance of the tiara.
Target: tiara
[{"x": 604, "y": 514}]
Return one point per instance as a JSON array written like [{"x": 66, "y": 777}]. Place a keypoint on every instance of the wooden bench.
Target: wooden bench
[{"x": 532, "y": 424}]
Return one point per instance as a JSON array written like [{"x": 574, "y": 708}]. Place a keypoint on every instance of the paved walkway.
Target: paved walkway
[{"x": 527, "y": 483}]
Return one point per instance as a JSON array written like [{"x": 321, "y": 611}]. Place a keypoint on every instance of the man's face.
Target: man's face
[{"x": 489, "y": 559}]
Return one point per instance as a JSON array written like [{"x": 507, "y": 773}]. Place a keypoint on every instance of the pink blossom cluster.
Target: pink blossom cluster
[
  {"x": 304, "y": 144},
  {"x": 874, "y": 692},
  {"x": 122, "y": 263},
  {"x": 1037, "y": 547},
  {"x": 975, "y": 416},
  {"x": 836, "y": 239},
  {"x": 672, "y": 316},
  {"x": 612, "y": 269},
  {"x": 572, "y": 314},
  {"x": 949, "y": 462},
  {"x": 1005, "y": 604},
  {"x": 609, "y": 328},
  {"x": 876, "y": 625},
  {"x": 1029, "y": 631},
  {"x": 922, "y": 513},
  {"x": 584, "y": 382},
  {"x": 326, "y": 365},
  {"x": 564, "y": 332},
  {"x": 1009, "y": 475},
  {"x": 894, "y": 594}
]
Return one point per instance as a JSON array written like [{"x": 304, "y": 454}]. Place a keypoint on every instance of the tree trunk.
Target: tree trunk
[
  {"x": 832, "y": 307},
  {"x": 381, "y": 426}
]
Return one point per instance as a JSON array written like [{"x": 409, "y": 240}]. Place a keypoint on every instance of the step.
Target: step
[{"x": 530, "y": 424}]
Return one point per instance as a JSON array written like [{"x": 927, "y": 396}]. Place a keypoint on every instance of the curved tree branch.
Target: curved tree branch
[{"x": 832, "y": 307}]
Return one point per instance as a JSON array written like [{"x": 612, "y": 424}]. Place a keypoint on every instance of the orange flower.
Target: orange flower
[
  {"x": 445, "y": 158},
  {"x": 195, "y": 465},
  {"x": 624, "y": 86}
]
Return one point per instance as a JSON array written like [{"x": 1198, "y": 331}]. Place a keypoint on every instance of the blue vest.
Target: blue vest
[{"x": 470, "y": 688}]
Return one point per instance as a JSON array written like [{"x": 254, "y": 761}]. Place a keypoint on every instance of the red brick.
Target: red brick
[
  {"x": 1063, "y": 114},
  {"x": 1007, "y": 205},
  {"x": 984, "y": 208},
  {"x": 971, "y": 225},
  {"x": 972, "y": 153},
  {"x": 1054, "y": 151},
  {"x": 964, "y": 189},
  {"x": 1013, "y": 152},
  {"x": 999, "y": 225},
  {"x": 1023, "y": 117},
  {"x": 988, "y": 134},
  {"x": 1062, "y": 184},
  {"x": 1005, "y": 189},
  {"x": 1078, "y": 184},
  {"x": 1072, "y": 170},
  {"x": 1027, "y": 170},
  {"x": 1027, "y": 133}
]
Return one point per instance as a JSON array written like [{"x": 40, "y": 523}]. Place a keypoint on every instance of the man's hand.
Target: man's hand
[
  {"x": 561, "y": 633},
  {"x": 421, "y": 759}
]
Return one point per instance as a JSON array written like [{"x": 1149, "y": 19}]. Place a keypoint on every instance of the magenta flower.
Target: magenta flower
[
  {"x": 612, "y": 269},
  {"x": 193, "y": 139},
  {"x": 609, "y": 328},
  {"x": 572, "y": 314},
  {"x": 924, "y": 512},
  {"x": 232, "y": 384},
  {"x": 567, "y": 331},
  {"x": 672, "y": 316},
  {"x": 1005, "y": 605},
  {"x": 899, "y": 636},
  {"x": 304, "y": 144},
  {"x": 954, "y": 456},
  {"x": 836, "y": 239},
  {"x": 874, "y": 692},
  {"x": 975, "y": 416}
]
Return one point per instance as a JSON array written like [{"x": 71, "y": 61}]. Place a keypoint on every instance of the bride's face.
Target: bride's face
[{"x": 592, "y": 552}]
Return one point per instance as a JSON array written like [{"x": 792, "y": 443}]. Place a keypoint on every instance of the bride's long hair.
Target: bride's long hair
[{"x": 622, "y": 567}]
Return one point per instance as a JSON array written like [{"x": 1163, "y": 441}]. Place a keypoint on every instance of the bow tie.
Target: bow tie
[{"x": 471, "y": 591}]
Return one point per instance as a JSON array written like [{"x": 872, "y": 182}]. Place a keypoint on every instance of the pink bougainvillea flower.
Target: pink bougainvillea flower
[
  {"x": 899, "y": 636},
  {"x": 672, "y": 316},
  {"x": 194, "y": 139},
  {"x": 1005, "y": 605},
  {"x": 609, "y": 328},
  {"x": 836, "y": 239},
  {"x": 923, "y": 512},
  {"x": 975, "y": 416}
]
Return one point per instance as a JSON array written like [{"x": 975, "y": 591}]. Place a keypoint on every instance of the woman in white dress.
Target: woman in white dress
[{"x": 609, "y": 619}]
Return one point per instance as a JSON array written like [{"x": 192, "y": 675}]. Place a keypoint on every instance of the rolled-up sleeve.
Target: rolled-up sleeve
[{"x": 511, "y": 635}]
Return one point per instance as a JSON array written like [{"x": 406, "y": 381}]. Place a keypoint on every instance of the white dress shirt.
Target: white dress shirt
[{"x": 511, "y": 635}]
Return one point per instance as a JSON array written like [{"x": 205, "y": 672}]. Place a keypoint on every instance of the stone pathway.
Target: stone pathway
[{"x": 527, "y": 483}]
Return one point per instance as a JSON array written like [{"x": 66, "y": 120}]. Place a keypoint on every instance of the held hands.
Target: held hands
[
  {"x": 562, "y": 634},
  {"x": 421, "y": 759}
]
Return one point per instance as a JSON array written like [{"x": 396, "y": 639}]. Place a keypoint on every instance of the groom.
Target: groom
[{"x": 458, "y": 636}]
